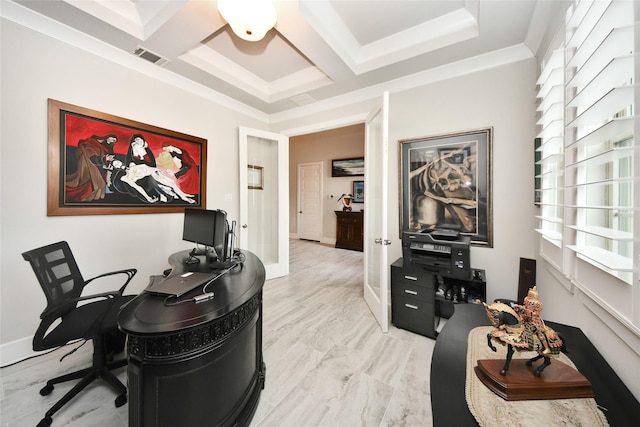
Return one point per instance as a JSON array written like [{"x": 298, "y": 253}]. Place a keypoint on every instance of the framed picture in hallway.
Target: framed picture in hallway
[
  {"x": 358, "y": 191},
  {"x": 347, "y": 167},
  {"x": 101, "y": 164},
  {"x": 445, "y": 182},
  {"x": 255, "y": 177}
]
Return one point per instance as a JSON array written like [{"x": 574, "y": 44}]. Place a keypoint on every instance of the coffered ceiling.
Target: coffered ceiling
[{"x": 318, "y": 50}]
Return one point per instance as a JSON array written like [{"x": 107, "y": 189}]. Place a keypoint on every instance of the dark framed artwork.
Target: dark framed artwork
[
  {"x": 255, "y": 177},
  {"x": 358, "y": 191},
  {"x": 445, "y": 182},
  {"x": 101, "y": 164},
  {"x": 347, "y": 167}
]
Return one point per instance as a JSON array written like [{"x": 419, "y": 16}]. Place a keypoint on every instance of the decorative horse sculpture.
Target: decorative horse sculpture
[{"x": 521, "y": 328}]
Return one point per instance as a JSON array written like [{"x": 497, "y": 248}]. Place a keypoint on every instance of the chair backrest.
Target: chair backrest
[{"x": 57, "y": 271}]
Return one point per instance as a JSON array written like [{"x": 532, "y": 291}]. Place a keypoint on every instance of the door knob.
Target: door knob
[
  {"x": 244, "y": 225},
  {"x": 378, "y": 241}
]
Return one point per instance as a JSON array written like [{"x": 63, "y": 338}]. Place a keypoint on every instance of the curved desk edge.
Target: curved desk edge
[{"x": 237, "y": 288}]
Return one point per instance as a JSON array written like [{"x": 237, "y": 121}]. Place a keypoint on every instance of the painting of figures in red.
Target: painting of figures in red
[{"x": 102, "y": 164}]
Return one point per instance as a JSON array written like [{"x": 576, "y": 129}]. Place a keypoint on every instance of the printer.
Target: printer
[{"x": 443, "y": 251}]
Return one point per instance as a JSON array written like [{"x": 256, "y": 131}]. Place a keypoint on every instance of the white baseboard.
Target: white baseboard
[
  {"x": 15, "y": 351},
  {"x": 328, "y": 241},
  {"x": 323, "y": 240}
]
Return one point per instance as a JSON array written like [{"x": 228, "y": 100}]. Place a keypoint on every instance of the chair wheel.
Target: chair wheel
[
  {"x": 121, "y": 400},
  {"x": 46, "y": 390},
  {"x": 46, "y": 421}
]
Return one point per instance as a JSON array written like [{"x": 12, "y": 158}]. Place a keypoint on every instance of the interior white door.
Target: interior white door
[
  {"x": 376, "y": 241},
  {"x": 310, "y": 201},
  {"x": 264, "y": 198}
]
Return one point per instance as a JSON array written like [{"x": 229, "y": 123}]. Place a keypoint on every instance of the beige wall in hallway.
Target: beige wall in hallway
[{"x": 340, "y": 143}]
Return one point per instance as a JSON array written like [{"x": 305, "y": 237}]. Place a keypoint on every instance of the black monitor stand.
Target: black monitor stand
[
  {"x": 212, "y": 259},
  {"x": 195, "y": 253}
]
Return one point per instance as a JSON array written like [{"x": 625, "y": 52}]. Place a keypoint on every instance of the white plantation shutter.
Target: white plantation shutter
[
  {"x": 589, "y": 188},
  {"x": 600, "y": 134}
]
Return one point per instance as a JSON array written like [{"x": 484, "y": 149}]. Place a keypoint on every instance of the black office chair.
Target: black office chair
[{"x": 62, "y": 283}]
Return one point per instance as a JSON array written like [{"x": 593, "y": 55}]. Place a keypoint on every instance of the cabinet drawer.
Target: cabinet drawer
[
  {"x": 410, "y": 290},
  {"x": 413, "y": 315},
  {"x": 412, "y": 277}
]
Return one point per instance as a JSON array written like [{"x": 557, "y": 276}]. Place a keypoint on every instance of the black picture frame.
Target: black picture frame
[
  {"x": 358, "y": 192},
  {"x": 445, "y": 182},
  {"x": 347, "y": 167}
]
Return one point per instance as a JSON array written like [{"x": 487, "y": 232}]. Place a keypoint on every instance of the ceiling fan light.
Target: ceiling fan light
[{"x": 249, "y": 19}]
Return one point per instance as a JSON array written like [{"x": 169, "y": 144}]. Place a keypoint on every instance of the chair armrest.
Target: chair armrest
[
  {"x": 51, "y": 315},
  {"x": 62, "y": 309},
  {"x": 129, "y": 272}
]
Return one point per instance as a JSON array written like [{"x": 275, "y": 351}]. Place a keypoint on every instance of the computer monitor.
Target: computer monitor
[
  {"x": 208, "y": 228},
  {"x": 221, "y": 235}
]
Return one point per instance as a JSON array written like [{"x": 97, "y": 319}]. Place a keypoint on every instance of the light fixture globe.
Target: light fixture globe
[{"x": 249, "y": 19}]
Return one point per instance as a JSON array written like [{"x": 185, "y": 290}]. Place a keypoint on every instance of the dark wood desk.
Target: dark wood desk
[
  {"x": 195, "y": 364},
  {"x": 448, "y": 372}
]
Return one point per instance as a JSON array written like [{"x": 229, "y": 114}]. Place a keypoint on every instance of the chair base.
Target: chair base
[{"x": 86, "y": 376}]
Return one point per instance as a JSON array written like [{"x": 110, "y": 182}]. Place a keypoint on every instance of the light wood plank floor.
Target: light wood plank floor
[{"x": 328, "y": 363}]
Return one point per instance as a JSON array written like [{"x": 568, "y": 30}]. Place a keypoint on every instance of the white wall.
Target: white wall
[
  {"x": 38, "y": 68},
  {"x": 502, "y": 98}
]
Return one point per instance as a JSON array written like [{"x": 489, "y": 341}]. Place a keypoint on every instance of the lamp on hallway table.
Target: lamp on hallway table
[{"x": 346, "y": 202}]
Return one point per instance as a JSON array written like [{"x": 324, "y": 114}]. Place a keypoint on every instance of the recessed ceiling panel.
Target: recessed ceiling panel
[
  {"x": 270, "y": 69},
  {"x": 271, "y": 58},
  {"x": 370, "y": 21},
  {"x": 395, "y": 33}
]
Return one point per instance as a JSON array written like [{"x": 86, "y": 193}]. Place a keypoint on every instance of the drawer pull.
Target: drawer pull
[
  {"x": 415, "y": 307},
  {"x": 410, "y": 278},
  {"x": 410, "y": 292}
]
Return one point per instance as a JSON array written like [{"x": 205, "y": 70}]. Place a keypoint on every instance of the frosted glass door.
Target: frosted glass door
[
  {"x": 264, "y": 198},
  {"x": 376, "y": 241}
]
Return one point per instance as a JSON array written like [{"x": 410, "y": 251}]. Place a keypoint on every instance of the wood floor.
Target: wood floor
[{"x": 328, "y": 363}]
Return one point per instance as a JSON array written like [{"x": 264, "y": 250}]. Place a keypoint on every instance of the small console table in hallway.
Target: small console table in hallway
[
  {"x": 349, "y": 230},
  {"x": 196, "y": 364}
]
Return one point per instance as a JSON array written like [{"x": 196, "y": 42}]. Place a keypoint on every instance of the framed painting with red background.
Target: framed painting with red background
[{"x": 100, "y": 164}]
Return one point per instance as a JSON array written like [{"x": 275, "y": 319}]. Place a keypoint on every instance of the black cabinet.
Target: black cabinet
[
  {"x": 412, "y": 298},
  {"x": 419, "y": 296}
]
